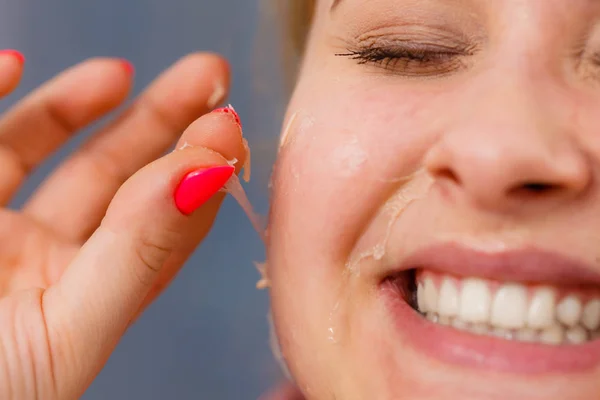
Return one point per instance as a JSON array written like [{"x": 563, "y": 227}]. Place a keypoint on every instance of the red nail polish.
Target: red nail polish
[
  {"x": 127, "y": 66},
  {"x": 16, "y": 54},
  {"x": 230, "y": 110},
  {"x": 199, "y": 186}
]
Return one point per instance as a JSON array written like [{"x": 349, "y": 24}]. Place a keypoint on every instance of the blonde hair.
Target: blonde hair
[
  {"x": 299, "y": 18},
  {"x": 295, "y": 17}
]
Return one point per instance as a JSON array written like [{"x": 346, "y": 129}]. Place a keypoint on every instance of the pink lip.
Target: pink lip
[
  {"x": 529, "y": 265},
  {"x": 467, "y": 349},
  {"x": 489, "y": 353}
]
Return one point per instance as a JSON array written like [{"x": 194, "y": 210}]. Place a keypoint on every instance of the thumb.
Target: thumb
[{"x": 149, "y": 222}]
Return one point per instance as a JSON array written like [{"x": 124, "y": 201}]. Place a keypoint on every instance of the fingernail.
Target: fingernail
[
  {"x": 217, "y": 96},
  {"x": 127, "y": 66},
  {"x": 16, "y": 54},
  {"x": 199, "y": 186},
  {"x": 230, "y": 110}
]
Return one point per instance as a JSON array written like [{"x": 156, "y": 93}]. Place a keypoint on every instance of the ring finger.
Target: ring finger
[{"x": 45, "y": 119}]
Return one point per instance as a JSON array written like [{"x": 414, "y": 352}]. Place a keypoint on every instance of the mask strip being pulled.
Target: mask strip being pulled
[{"x": 236, "y": 190}]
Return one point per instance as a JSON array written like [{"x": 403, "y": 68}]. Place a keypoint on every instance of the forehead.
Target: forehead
[
  {"x": 333, "y": 4},
  {"x": 570, "y": 11}
]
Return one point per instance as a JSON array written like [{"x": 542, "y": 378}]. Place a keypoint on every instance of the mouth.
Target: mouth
[{"x": 526, "y": 311}]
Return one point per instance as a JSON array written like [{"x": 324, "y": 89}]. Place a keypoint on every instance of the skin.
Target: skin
[
  {"x": 520, "y": 109},
  {"x": 78, "y": 269},
  {"x": 101, "y": 238}
]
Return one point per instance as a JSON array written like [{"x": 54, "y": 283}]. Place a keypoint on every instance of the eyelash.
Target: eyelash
[{"x": 410, "y": 60}]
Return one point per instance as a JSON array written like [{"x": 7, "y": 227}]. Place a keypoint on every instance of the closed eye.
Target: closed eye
[{"x": 410, "y": 59}]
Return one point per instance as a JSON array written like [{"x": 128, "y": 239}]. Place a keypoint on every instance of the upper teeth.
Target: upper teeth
[{"x": 509, "y": 310}]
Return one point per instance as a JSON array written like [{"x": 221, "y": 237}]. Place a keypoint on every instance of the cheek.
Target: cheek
[{"x": 344, "y": 151}]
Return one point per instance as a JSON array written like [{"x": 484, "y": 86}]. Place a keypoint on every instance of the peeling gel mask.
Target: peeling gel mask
[
  {"x": 236, "y": 190},
  {"x": 348, "y": 158},
  {"x": 417, "y": 186}
]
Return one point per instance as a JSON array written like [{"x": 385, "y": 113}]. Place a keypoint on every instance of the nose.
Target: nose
[{"x": 504, "y": 154}]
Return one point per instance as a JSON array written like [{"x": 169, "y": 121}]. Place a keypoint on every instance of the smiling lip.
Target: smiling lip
[
  {"x": 529, "y": 265},
  {"x": 452, "y": 346}
]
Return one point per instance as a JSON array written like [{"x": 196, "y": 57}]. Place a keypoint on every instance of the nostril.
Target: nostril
[
  {"x": 447, "y": 174},
  {"x": 538, "y": 187},
  {"x": 534, "y": 188}
]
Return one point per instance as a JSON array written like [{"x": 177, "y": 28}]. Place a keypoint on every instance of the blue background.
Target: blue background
[{"x": 207, "y": 337}]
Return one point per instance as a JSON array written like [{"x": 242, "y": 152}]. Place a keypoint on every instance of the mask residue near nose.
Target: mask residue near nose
[{"x": 417, "y": 186}]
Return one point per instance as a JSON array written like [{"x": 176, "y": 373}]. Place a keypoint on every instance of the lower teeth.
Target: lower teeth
[{"x": 555, "y": 335}]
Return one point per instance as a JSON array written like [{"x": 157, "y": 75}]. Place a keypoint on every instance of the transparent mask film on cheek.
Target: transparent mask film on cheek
[
  {"x": 349, "y": 158},
  {"x": 411, "y": 189}
]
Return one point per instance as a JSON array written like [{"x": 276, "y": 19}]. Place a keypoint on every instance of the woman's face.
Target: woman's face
[{"x": 434, "y": 226}]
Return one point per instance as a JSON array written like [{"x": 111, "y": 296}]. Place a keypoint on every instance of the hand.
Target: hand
[{"x": 103, "y": 236}]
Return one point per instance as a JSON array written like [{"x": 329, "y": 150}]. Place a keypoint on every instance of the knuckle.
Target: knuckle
[
  {"x": 151, "y": 257},
  {"x": 106, "y": 164},
  {"x": 56, "y": 111},
  {"x": 152, "y": 252},
  {"x": 162, "y": 114}
]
